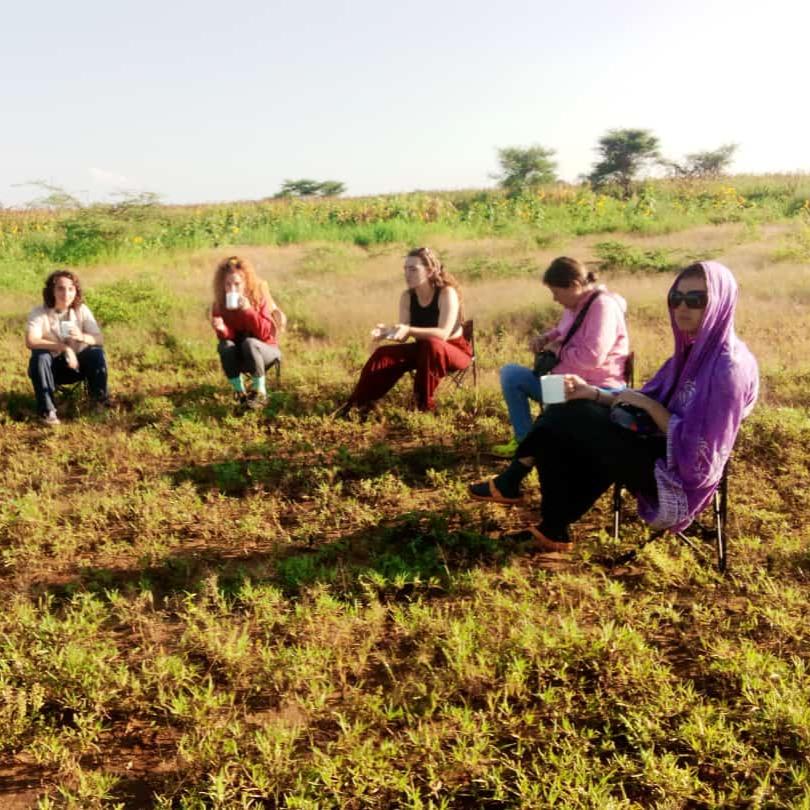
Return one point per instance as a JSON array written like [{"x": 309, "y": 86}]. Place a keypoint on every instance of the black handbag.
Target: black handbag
[
  {"x": 545, "y": 361},
  {"x": 631, "y": 417}
]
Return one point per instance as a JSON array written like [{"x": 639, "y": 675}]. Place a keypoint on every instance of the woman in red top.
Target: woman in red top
[
  {"x": 430, "y": 313},
  {"x": 247, "y": 322}
]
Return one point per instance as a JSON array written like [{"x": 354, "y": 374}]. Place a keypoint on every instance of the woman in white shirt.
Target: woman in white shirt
[{"x": 66, "y": 345}]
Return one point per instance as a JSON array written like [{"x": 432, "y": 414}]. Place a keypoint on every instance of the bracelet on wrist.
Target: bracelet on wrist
[{"x": 596, "y": 393}]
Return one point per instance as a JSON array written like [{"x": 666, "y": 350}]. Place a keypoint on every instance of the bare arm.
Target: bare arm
[
  {"x": 577, "y": 388},
  {"x": 405, "y": 308},
  {"x": 35, "y": 341},
  {"x": 658, "y": 413},
  {"x": 89, "y": 338}
]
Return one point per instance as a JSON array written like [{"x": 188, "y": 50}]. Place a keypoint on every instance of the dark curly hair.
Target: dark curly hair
[{"x": 48, "y": 295}]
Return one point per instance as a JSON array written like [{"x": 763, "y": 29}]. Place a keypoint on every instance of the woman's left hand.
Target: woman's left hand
[
  {"x": 400, "y": 332},
  {"x": 636, "y": 398},
  {"x": 244, "y": 302}
]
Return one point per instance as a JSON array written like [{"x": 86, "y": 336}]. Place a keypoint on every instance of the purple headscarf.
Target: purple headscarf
[{"x": 709, "y": 389}]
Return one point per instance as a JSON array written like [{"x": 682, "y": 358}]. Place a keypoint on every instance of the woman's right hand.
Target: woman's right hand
[
  {"x": 218, "y": 323},
  {"x": 380, "y": 332},
  {"x": 577, "y": 388},
  {"x": 71, "y": 359},
  {"x": 538, "y": 343}
]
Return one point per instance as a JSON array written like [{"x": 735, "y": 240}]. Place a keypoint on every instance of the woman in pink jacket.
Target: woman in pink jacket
[
  {"x": 247, "y": 322},
  {"x": 596, "y": 350}
]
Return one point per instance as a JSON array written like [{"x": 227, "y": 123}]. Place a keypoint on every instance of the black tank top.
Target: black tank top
[{"x": 426, "y": 317}]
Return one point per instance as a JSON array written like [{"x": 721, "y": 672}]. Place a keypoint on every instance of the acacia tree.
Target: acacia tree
[
  {"x": 311, "y": 188},
  {"x": 623, "y": 153},
  {"x": 55, "y": 197},
  {"x": 708, "y": 164},
  {"x": 525, "y": 167}
]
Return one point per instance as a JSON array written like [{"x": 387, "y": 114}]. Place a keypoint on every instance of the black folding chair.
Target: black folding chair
[
  {"x": 630, "y": 370},
  {"x": 716, "y": 534}
]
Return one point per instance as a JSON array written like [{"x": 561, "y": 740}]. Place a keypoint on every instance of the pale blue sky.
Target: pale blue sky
[{"x": 202, "y": 101}]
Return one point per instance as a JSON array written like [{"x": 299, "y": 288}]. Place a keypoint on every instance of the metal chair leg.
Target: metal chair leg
[
  {"x": 617, "y": 511},
  {"x": 720, "y": 520}
]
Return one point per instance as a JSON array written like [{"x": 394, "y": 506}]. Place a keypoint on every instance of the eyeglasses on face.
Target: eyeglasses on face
[{"x": 694, "y": 299}]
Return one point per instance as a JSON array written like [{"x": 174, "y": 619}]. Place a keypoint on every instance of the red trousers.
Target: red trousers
[{"x": 432, "y": 359}]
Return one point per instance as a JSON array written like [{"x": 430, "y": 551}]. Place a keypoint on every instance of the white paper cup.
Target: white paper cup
[
  {"x": 64, "y": 328},
  {"x": 552, "y": 387},
  {"x": 232, "y": 300}
]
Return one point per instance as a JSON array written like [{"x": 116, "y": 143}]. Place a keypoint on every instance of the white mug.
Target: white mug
[
  {"x": 232, "y": 300},
  {"x": 552, "y": 387},
  {"x": 65, "y": 328}
]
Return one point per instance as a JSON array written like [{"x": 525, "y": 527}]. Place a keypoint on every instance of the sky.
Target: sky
[{"x": 204, "y": 101}]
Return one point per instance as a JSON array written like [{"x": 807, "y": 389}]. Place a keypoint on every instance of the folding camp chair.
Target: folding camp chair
[
  {"x": 630, "y": 370},
  {"x": 717, "y": 534},
  {"x": 468, "y": 331}
]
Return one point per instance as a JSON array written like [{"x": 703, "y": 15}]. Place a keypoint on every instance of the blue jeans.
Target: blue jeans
[
  {"x": 519, "y": 385},
  {"x": 48, "y": 372}
]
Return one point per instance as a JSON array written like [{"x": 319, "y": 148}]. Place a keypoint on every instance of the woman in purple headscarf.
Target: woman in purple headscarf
[{"x": 694, "y": 404}]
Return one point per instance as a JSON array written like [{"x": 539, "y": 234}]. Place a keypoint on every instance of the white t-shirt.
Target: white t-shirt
[{"x": 43, "y": 324}]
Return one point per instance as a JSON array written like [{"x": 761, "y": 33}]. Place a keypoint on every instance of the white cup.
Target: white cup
[
  {"x": 232, "y": 300},
  {"x": 64, "y": 329},
  {"x": 552, "y": 387}
]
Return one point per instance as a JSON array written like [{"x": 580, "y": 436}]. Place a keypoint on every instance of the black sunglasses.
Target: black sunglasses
[{"x": 694, "y": 299}]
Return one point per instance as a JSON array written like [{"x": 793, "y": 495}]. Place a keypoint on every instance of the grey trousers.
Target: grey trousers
[{"x": 249, "y": 356}]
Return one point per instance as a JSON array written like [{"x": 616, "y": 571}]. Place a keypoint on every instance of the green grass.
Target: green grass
[{"x": 201, "y": 609}]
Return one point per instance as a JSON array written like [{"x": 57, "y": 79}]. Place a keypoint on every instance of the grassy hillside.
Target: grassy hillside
[{"x": 201, "y": 609}]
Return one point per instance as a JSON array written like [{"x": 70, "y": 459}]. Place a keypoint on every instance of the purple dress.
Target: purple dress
[{"x": 709, "y": 385}]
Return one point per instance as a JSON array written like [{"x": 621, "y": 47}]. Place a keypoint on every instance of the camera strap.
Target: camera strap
[{"x": 578, "y": 321}]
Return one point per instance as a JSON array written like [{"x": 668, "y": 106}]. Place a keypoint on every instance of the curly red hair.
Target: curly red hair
[{"x": 256, "y": 290}]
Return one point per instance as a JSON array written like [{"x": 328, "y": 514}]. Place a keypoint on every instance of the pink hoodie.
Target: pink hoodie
[{"x": 598, "y": 350}]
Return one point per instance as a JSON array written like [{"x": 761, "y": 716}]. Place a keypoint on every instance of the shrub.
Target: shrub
[{"x": 135, "y": 301}]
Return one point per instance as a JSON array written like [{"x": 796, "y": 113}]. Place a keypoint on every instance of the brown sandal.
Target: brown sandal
[{"x": 544, "y": 543}]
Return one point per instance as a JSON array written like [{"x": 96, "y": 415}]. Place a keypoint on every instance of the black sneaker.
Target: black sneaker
[
  {"x": 240, "y": 398},
  {"x": 256, "y": 400}
]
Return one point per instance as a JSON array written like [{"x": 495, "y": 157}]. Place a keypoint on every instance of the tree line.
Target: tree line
[{"x": 622, "y": 154}]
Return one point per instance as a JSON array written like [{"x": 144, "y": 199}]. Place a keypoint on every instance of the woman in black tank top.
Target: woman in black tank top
[{"x": 430, "y": 314}]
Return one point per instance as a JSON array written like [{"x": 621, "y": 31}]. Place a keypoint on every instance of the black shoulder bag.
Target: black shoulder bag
[{"x": 545, "y": 361}]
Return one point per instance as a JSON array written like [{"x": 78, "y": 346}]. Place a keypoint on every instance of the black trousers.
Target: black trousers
[
  {"x": 579, "y": 453},
  {"x": 47, "y": 372}
]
